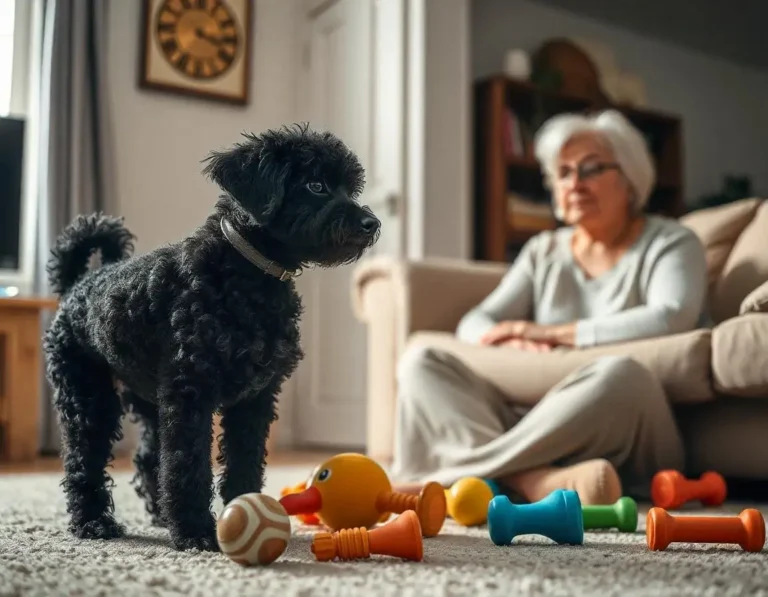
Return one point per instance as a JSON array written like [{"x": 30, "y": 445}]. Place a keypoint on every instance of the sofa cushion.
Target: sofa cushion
[
  {"x": 745, "y": 269},
  {"x": 739, "y": 357},
  {"x": 718, "y": 228},
  {"x": 681, "y": 362}
]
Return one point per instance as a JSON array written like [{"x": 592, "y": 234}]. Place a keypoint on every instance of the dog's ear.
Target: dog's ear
[
  {"x": 227, "y": 168},
  {"x": 272, "y": 178},
  {"x": 251, "y": 174}
]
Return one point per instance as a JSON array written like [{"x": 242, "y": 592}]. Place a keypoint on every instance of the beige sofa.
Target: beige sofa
[{"x": 716, "y": 379}]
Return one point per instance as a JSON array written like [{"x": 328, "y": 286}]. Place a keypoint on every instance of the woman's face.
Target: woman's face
[{"x": 589, "y": 187}]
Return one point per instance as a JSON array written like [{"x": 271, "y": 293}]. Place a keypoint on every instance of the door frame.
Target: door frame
[
  {"x": 437, "y": 57},
  {"x": 439, "y": 128},
  {"x": 307, "y": 10},
  {"x": 438, "y": 120}
]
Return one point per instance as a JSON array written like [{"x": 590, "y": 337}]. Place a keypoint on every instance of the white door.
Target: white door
[{"x": 353, "y": 85}]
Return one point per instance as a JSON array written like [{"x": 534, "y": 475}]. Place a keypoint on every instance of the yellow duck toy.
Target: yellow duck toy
[
  {"x": 351, "y": 490},
  {"x": 308, "y": 519}
]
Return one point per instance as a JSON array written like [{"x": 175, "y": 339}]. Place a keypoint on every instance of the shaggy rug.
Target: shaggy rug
[{"x": 39, "y": 558}]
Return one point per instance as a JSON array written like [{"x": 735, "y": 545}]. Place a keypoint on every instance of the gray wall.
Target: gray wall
[
  {"x": 722, "y": 104},
  {"x": 161, "y": 138}
]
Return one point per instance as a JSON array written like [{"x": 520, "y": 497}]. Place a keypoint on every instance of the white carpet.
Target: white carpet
[{"x": 39, "y": 558}]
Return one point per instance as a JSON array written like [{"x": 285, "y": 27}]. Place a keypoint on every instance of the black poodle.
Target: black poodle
[{"x": 206, "y": 325}]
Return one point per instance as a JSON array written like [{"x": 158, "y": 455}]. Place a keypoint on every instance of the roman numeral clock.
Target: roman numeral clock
[{"x": 197, "y": 47}]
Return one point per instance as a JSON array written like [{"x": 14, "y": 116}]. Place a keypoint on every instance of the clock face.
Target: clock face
[{"x": 199, "y": 38}]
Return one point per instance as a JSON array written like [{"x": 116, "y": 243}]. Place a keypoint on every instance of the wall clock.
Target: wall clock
[{"x": 197, "y": 47}]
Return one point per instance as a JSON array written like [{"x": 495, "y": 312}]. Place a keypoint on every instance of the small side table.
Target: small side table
[{"x": 20, "y": 371}]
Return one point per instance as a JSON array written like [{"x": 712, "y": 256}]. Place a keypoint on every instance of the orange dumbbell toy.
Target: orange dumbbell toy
[
  {"x": 351, "y": 490},
  {"x": 671, "y": 489},
  {"x": 308, "y": 519},
  {"x": 747, "y": 529},
  {"x": 400, "y": 538}
]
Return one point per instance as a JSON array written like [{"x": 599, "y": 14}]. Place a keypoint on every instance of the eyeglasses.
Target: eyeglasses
[{"x": 586, "y": 170}]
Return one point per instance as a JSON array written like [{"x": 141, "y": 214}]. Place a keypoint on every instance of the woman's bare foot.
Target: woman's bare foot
[{"x": 596, "y": 481}]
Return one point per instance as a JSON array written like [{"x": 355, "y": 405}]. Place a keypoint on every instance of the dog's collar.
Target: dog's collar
[{"x": 252, "y": 255}]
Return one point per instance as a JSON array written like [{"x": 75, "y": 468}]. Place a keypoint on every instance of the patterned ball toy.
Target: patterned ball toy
[{"x": 253, "y": 530}]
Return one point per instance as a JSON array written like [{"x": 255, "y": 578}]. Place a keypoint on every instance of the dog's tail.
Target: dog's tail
[{"x": 74, "y": 247}]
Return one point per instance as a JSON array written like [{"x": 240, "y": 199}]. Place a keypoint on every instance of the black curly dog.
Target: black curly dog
[{"x": 206, "y": 325}]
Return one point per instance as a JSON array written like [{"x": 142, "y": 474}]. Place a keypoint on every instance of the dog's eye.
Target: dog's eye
[{"x": 316, "y": 187}]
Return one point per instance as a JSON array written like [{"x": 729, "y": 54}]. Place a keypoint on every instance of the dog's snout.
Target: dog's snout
[{"x": 369, "y": 224}]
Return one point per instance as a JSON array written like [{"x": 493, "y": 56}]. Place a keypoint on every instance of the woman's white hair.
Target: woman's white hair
[{"x": 628, "y": 145}]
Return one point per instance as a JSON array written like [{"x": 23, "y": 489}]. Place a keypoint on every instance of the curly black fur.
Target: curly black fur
[
  {"x": 192, "y": 329},
  {"x": 88, "y": 232}
]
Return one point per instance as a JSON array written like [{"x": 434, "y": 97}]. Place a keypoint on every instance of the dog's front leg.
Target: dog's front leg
[
  {"x": 185, "y": 475},
  {"x": 243, "y": 447}
]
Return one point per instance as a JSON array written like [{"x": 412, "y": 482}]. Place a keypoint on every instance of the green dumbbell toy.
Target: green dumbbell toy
[{"x": 621, "y": 515}]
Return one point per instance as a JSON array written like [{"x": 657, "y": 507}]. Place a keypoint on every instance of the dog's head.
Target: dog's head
[{"x": 301, "y": 187}]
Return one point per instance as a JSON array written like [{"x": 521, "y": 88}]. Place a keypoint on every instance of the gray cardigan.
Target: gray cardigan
[{"x": 658, "y": 287}]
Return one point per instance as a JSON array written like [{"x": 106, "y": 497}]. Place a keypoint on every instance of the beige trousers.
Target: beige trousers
[{"x": 452, "y": 423}]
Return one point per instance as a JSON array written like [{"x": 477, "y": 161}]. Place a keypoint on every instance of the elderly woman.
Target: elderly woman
[{"x": 611, "y": 274}]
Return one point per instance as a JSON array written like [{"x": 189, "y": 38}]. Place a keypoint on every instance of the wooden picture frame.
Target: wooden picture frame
[{"x": 199, "y": 48}]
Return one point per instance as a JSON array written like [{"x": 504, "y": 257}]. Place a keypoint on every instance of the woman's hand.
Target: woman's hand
[
  {"x": 526, "y": 345},
  {"x": 552, "y": 335},
  {"x": 505, "y": 331}
]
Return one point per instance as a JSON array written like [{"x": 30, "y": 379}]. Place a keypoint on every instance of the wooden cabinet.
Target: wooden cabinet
[
  {"x": 21, "y": 367},
  {"x": 510, "y": 201}
]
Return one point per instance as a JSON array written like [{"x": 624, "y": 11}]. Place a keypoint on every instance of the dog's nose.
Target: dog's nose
[{"x": 369, "y": 224}]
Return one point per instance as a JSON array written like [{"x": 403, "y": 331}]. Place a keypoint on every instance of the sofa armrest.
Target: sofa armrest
[
  {"x": 394, "y": 299},
  {"x": 432, "y": 294}
]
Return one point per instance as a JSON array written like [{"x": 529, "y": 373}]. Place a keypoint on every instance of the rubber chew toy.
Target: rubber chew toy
[
  {"x": 558, "y": 517},
  {"x": 747, "y": 529},
  {"x": 351, "y": 490},
  {"x": 430, "y": 506},
  {"x": 308, "y": 519},
  {"x": 621, "y": 515},
  {"x": 468, "y": 500},
  {"x": 253, "y": 530},
  {"x": 670, "y": 489},
  {"x": 400, "y": 538}
]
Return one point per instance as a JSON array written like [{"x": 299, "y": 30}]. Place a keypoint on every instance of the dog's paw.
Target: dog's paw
[
  {"x": 104, "y": 527},
  {"x": 206, "y": 543}
]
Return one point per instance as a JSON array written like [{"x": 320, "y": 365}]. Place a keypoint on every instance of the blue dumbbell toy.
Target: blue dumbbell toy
[
  {"x": 495, "y": 487},
  {"x": 557, "y": 516}
]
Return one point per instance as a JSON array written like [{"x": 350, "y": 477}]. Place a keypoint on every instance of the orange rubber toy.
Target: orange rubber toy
[
  {"x": 351, "y": 490},
  {"x": 670, "y": 489},
  {"x": 467, "y": 500},
  {"x": 400, "y": 538},
  {"x": 747, "y": 529},
  {"x": 308, "y": 519}
]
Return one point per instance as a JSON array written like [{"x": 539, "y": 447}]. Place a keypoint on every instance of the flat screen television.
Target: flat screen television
[{"x": 11, "y": 178}]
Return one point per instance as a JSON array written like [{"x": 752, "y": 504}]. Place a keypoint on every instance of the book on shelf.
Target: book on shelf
[
  {"x": 526, "y": 213},
  {"x": 516, "y": 134}
]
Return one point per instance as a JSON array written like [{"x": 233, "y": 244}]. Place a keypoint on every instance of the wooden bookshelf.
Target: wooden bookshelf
[{"x": 504, "y": 167}]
